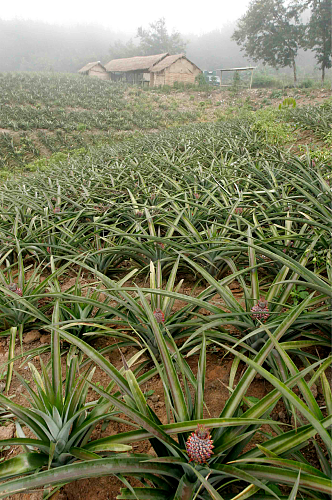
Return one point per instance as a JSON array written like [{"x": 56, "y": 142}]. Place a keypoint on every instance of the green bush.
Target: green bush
[
  {"x": 261, "y": 80},
  {"x": 307, "y": 84}
]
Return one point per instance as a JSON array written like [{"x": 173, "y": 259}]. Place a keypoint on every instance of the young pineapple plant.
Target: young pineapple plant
[
  {"x": 150, "y": 239},
  {"x": 207, "y": 454},
  {"x": 82, "y": 310},
  {"x": 133, "y": 318},
  {"x": 265, "y": 303},
  {"x": 102, "y": 252},
  {"x": 59, "y": 414},
  {"x": 21, "y": 288}
]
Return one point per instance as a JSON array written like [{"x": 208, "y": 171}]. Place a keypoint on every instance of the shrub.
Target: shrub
[{"x": 261, "y": 80}]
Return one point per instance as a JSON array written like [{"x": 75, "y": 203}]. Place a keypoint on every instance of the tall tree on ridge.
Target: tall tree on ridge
[
  {"x": 157, "y": 40},
  {"x": 319, "y": 34},
  {"x": 271, "y": 32}
]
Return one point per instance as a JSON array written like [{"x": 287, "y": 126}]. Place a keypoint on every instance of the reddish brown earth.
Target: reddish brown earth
[{"x": 216, "y": 394}]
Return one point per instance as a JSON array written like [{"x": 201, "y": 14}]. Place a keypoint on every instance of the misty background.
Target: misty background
[{"x": 27, "y": 45}]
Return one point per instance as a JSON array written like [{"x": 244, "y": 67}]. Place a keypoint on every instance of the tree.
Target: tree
[
  {"x": 271, "y": 32},
  {"x": 157, "y": 40},
  {"x": 118, "y": 49},
  {"x": 319, "y": 34}
]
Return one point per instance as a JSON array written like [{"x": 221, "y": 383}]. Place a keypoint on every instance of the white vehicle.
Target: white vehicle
[{"x": 212, "y": 77}]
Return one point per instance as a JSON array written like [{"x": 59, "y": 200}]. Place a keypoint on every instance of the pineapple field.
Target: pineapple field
[{"x": 165, "y": 292}]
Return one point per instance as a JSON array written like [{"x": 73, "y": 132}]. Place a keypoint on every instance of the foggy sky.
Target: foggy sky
[{"x": 185, "y": 16}]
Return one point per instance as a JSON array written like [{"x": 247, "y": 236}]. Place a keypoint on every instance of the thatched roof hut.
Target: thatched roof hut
[
  {"x": 138, "y": 63},
  {"x": 171, "y": 69},
  {"x": 160, "y": 69},
  {"x": 168, "y": 61},
  {"x": 94, "y": 69}
]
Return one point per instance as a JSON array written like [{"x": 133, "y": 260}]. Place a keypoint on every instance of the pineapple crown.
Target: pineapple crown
[
  {"x": 202, "y": 432},
  {"x": 262, "y": 303}
]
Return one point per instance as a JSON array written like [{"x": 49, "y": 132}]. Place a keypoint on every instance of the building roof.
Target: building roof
[
  {"x": 134, "y": 63},
  {"x": 237, "y": 69},
  {"x": 89, "y": 66},
  {"x": 168, "y": 61}
]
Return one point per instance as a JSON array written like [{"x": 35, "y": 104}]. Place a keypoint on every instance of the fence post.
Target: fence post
[{"x": 252, "y": 74}]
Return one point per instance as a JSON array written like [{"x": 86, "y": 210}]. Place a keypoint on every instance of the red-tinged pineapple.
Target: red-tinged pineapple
[
  {"x": 199, "y": 445},
  {"x": 261, "y": 310},
  {"x": 14, "y": 288},
  {"x": 159, "y": 316}
]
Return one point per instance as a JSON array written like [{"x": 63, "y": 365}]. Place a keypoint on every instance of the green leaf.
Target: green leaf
[
  {"x": 290, "y": 395},
  {"x": 199, "y": 394},
  {"x": 293, "y": 493},
  {"x": 11, "y": 352},
  {"x": 144, "y": 494},
  {"x": 22, "y": 464},
  {"x": 98, "y": 359},
  {"x": 175, "y": 386},
  {"x": 91, "y": 468},
  {"x": 288, "y": 477}
]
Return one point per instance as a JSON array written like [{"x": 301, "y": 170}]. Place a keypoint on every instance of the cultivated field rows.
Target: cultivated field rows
[{"x": 165, "y": 313}]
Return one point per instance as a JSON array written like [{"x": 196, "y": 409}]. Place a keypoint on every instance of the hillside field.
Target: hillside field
[
  {"x": 44, "y": 114},
  {"x": 165, "y": 291}
]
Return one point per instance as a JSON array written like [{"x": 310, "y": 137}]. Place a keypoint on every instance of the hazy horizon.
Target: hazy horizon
[{"x": 182, "y": 17}]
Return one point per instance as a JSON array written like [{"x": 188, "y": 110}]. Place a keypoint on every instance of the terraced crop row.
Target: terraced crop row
[{"x": 250, "y": 224}]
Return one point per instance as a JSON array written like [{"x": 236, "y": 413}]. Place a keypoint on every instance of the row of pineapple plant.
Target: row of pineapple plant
[
  {"x": 208, "y": 452},
  {"x": 32, "y": 103},
  {"x": 220, "y": 205}
]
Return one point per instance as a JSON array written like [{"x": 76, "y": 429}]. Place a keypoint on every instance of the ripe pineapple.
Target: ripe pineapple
[
  {"x": 199, "y": 445},
  {"x": 261, "y": 310}
]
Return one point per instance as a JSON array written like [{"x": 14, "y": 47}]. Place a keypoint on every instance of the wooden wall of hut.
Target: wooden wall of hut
[{"x": 99, "y": 72}]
